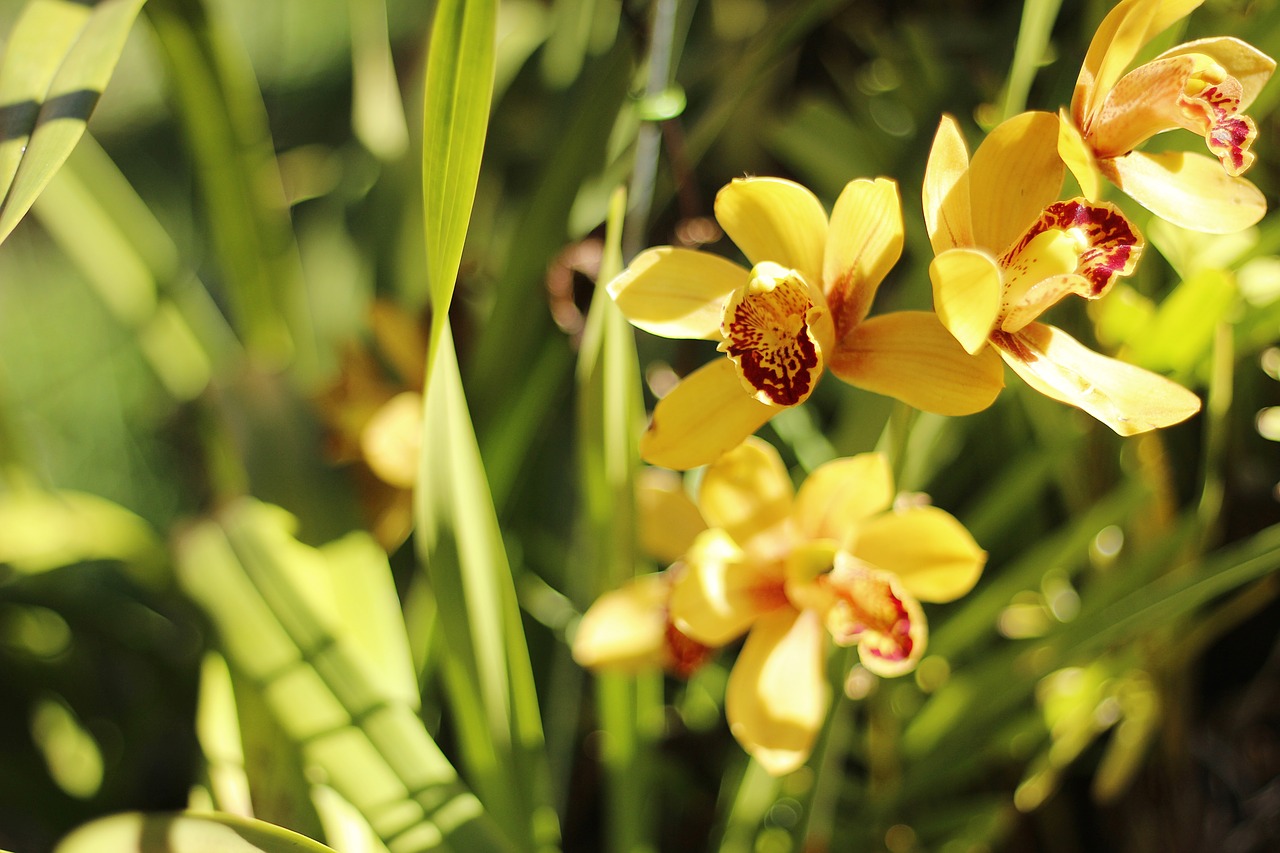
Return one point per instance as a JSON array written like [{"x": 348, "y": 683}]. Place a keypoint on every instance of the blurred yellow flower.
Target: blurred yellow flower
[
  {"x": 788, "y": 569},
  {"x": 1201, "y": 86},
  {"x": 800, "y": 309},
  {"x": 1005, "y": 251}
]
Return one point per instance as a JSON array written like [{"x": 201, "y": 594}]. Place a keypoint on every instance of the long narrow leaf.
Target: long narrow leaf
[
  {"x": 487, "y": 670},
  {"x": 186, "y": 833},
  {"x": 59, "y": 59},
  {"x": 459, "y": 86}
]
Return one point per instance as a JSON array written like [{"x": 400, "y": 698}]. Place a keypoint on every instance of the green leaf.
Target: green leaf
[
  {"x": 186, "y": 832},
  {"x": 226, "y": 130},
  {"x": 460, "y": 71},
  {"x": 48, "y": 530},
  {"x": 285, "y": 626},
  {"x": 59, "y": 59},
  {"x": 486, "y": 664},
  {"x": 1180, "y": 333}
]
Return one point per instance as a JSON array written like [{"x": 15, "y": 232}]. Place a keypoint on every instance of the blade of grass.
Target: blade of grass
[
  {"x": 1038, "y": 17},
  {"x": 487, "y": 671},
  {"x": 459, "y": 87},
  {"x": 58, "y": 61},
  {"x": 186, "y": 833},
  {"x": 221, "y": 109}
]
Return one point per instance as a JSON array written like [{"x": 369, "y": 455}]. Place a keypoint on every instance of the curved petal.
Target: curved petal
[
  {"x": 771, "y": 334},
  {"x": 967, "y": 291},
  {"x": 840, "y": 494},
  {"x": 1188, "y": 190},
  {"x": 777, "y": 696},
  {"x": 667, "y": 519},
  {"x": 1126, "y": 398},
  {"x": 625, "y": 628},
  {"x": 946, "y": 189},
  {"x": 1016, "y": 172},
  {"x": 676, "y": 293},
  {"x": 771, "y": 219},
  {"x": 933, "y": 555},
  {"x": 1075, "y": 153},
  {"x": 870, "y": 609},
  {"x": 1119, "y": 38},
  {"x": 718, "y": 592},
  {"x": 911, "y": 356},
  {"x": 863, "y": 243},
  {"x": 705, "y": 415},
  {"x": 746, "y": 491},
  {"x": 1250, "y": 66}
]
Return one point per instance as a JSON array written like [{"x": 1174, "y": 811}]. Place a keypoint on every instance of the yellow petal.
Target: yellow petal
[
  {"x": 1250, "y": 66},
  {"x": 838, "y": 495},
  {"x": 676, "y": 293},
  {"x": 777, "y": 696},
  {"x": 911, "y": 356},
  {"x": 718, "y": 592},
  {"x": 946, "y": 189},
  {"x": 746, "y": 491},
  {"x": 1079, "y": 159},
  {"x": 933, "y": 555},
  {"x": 667, "y": 519},
  {"x": 1124, "y": 397},
  {"x": 705, "y": 415},
  {"x": 771, "y": 219},
  {"x": 1188, "y": 190},
  {"x": 967, "y": 291},
  {"x": 1016, "y": 173},
  {"x": 1122, "y": 34},
  {"x": 863, "y": 243},
  {"x": 624, "y": 630}
]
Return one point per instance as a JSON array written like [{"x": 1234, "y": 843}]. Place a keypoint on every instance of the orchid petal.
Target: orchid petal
[
  {"x": 932, "y": 554},
  {"x": 746, "y": 491},
  {"x": 1123, "y": 33},
  {"x": 946, "y": 189},
  {"x": 702, "y": 417},
  {"x": 863, "y": 243},
  {"x": 1248, "y": 65},
  {"x": 676, "y": 293},
  {"x": 871, "y": 609},
  {"x": 777, "y": 696},
  {"x": 1126, "y": 398},
  {"x": 624, "y": 630},
  {"x": 967, "y": 290},
  {"x": 1188, "y": 190},
  {"x": 667, "y": 519},
  {"x": 1078, "y": 157},
  {"x": 910, "y": 355},
  {"x": 838, "y": 495},
  {"x": 718, "y": 593},
  {"x": 1016, "y": 172},
  {"x": 771, "y": 219}
]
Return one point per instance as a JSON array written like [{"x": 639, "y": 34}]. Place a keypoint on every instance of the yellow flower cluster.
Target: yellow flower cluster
[{"x": 835, "y": 560}]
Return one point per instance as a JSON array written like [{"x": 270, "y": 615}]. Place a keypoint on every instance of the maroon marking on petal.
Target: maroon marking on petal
[
  {"x": 1112, "y": 243},
  {"x": 685, "y": 655},
  {"x": 869, "y": 612},
  {"x": 768, "y": 338},
  {"x": 1215, "y": 110}
]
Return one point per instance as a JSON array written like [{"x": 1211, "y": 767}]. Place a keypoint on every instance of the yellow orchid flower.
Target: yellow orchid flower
[
  {"x": 800, "y": 309},
  {"x": 1201, "y": 86},
  {"x": 1005, "y": 251},
  {"x": 790, "y": 569}
]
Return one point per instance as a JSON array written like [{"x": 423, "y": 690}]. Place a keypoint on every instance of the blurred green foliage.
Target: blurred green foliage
[{"x": 210, "y": 595}]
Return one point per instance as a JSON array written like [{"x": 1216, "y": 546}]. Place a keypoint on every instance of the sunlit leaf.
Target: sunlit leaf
[
  {"x": 59, "y": 59},
  {"x": 186, "y": 833}
]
